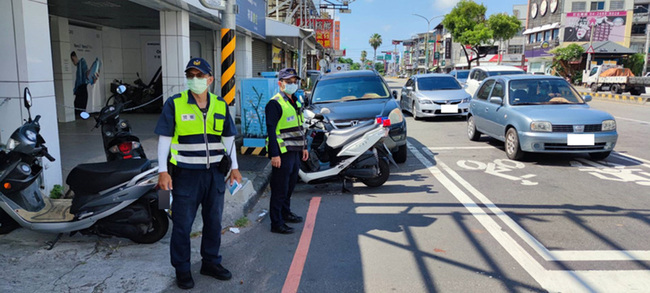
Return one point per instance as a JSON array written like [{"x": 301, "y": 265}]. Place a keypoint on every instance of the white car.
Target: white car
[{"x": 479, "y": 73}]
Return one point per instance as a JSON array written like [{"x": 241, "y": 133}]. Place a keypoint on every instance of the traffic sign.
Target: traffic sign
[
  {"x": 442, "y": 63},
  {"x": 590, "y": 50},
  {"x": 436, "y": 55}
]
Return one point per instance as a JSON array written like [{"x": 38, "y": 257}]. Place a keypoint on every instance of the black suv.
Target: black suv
[{"x": 355, "y": 97}]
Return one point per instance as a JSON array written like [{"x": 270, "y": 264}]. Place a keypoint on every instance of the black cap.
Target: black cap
[
  {"x": 287, "y": 73},
  {"x": 200, "y": 64}
]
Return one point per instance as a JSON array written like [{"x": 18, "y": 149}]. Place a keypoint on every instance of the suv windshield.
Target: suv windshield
[
  {"x": 350, "y": 88},
  {"x": 495, "y": 73},
  {"x": 542, "y": 92},
  {"x": 438, "y": 83}
]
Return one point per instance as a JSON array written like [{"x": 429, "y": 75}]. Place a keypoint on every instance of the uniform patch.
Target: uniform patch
[
  {"x": 291, "y": 118},
  {"x": 188, "y": 117}
]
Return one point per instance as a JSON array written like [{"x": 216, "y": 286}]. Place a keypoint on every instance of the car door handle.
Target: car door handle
[{"x": 487, "y": 109}]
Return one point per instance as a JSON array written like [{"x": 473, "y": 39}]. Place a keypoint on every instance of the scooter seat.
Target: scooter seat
[
  {"x": 92, "y": 178},
  {"x": 339, "y": 137}
]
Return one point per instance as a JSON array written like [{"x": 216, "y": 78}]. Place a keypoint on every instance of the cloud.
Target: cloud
[{"x": 445, "y": 5}]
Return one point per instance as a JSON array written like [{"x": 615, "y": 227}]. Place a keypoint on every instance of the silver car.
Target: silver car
[
  {"x": 432, "y": 95},
  {"x": 543, "y": 114}
]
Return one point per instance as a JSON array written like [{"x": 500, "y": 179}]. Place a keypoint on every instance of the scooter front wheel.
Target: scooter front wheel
[
  {"x": 7, "y": 224},
  {"x": 157, "y": 230},
  {"x": 384, "y": 172}
]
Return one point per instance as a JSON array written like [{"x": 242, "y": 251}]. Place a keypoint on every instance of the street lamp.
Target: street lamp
[{"x": 426, "y": 43}]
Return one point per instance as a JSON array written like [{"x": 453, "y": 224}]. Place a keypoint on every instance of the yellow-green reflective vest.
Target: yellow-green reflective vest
[
  {"x": 289, "y": 131},
  {"x": 197, "y": 136}
]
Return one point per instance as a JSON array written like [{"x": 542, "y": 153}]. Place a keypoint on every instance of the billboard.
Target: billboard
[
  {"x": 324, "y": 29},
  {"x": 251, "y": 16},
  {"x": 606, "y": 25}
]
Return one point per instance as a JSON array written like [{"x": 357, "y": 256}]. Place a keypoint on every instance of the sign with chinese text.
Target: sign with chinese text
[
  {"x": 324, "y": 29},
  {"x": 606, "y": 25},
  {"x": 252, "y": 16},
  {"x": 337, "y": 35}
]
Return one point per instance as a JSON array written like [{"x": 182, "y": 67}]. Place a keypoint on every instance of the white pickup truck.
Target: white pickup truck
[{"x": 616, "y": 84}]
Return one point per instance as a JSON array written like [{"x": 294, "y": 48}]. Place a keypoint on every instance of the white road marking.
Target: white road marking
[
  {"x": 497, "y": 168},
  {"x": 561, "y": 281},
  {"x": 617, "y": 173},
  {"x": 460, "y": 148},
  {"x": 633, "y": 120},
  {"x": 632, "y": 159}
]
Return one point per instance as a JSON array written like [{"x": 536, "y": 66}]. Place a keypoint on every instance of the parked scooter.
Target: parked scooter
[
  {"x": 119, "y": 143},
  {"x": 355, "y": 153},
  {"x": 113, "y": 198},
  {"x": 143, "y": 95}
]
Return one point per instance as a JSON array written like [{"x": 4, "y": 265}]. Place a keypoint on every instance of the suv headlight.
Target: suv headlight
[
  {"x": 608, "y": 125},
  {"x": 465, "y": 100},
  {"x": 12, "y": 144},
  {"x": 542, "y": 126},
  {"x": 396, "y": 116}
]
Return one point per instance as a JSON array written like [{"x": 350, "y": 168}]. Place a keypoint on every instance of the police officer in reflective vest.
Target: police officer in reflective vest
[
  {"x": 286, "y": 147},
  {"x": 196, "y": 127}
]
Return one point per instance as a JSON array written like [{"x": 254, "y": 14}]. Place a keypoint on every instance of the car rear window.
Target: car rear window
[
  {"x": 462, "y": 74},
  {"x": 438, "y": 83},
  {"x": 350, "y": 88},
  {"x": 495, "y": 73}
]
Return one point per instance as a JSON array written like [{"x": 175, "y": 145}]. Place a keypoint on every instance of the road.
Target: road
[{"x": 459, "y": 216}]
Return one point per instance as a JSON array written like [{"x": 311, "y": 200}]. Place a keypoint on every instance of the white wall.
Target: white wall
[{"x": 26, "y": 61}]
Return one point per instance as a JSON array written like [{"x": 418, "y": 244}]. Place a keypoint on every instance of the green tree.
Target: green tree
[
  {"x": 375, "y": 41},
  {"x": 564, "y": 57},
  {"x": 467, "y": 25},
  {"x": 503, "y": 27},
  {"x": 634, "y": 63},
  {"x": 355, "y": 66},
  {"x": 364, "y": 55},
  {"x": 379, "y": 67}
]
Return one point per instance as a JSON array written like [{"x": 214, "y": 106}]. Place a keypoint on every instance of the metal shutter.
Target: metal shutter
[{"x": 261, "y": 57}]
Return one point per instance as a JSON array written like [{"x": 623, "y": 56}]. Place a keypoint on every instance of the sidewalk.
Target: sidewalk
[
  {"x": 604, "y": 95},
  {"x": 80, "y": 263}
]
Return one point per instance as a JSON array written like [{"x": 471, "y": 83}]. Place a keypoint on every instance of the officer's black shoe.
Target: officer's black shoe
[
  {"x": 184, "y": 280},
  {"x": 292, "y": 218},
  {"x": 216, "y": 271},
  {"x": 284, "y": 229}
]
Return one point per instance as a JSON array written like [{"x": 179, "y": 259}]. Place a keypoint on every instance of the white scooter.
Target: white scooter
[
  {"x": 112, "y": 198},
  {"x": 354, "y": 153}
]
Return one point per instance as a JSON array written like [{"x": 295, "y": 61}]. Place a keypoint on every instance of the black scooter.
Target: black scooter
[
  {"x": 113, "y": 198},
  {"x": 143, "y": 96},
  {"x": 119, "y": 142}
]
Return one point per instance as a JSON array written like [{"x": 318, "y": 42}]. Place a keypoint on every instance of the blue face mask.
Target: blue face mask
[{"x": 290, "y": 89}]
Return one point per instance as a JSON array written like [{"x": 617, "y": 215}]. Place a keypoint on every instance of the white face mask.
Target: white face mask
[
  {"x": 290, "y": 89},
  {"x": 197, "y": 85}
]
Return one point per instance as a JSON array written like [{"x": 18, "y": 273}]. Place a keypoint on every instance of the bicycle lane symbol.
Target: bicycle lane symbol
[
  {"x": 615, "y": 173},
  {"x": 497, "y": 168}
]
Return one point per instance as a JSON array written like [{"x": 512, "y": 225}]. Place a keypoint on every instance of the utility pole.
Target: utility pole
[
  {"x": 591, "y": 41},
  {"x": 647, "y": 48},
  {"x": 228, "y": 64}
]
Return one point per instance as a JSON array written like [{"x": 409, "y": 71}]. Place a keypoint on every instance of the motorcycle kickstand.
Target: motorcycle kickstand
[
  {"x": 51, "y": 244},
  {"x": 344, "y": 188}
]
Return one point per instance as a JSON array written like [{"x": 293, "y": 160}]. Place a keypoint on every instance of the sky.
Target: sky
[{"x": 394, "y": 20}]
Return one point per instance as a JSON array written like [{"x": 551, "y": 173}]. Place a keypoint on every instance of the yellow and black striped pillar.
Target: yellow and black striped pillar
[{"x": 228, "y": 64}]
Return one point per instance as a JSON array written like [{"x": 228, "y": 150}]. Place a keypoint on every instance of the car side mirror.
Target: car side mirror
[
  {"x": 394, "y": 94},
  {"x": 587, "y": 98},
  {"x": 409, "y": 88},
  {"x": 496, "y": 100}
]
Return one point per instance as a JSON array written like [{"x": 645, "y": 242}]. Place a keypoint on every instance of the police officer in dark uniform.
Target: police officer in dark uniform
[
  {"x": 196, "y": 127},
  {"x": 286, "y": 147}
]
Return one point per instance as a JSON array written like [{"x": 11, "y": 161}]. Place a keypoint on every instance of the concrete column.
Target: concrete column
[
  {"x": 63, "y": 68},
  {"x": 112, "y": 64},
  {"x": 243, "y": 55},
  {"x": 26, "y": 61},
  {"x": 175, "y": 50}
]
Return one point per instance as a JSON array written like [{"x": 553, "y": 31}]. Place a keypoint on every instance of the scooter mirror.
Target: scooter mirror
[
  {"x": 121, "y": 89},
  {"x": 84, "y": 115},
  {"x": 28, "y": 98}
]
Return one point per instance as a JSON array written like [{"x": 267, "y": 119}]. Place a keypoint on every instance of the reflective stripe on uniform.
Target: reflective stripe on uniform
[
  {"x": 199, "y": 147},
  {"x": 294, "y": 142},
  {"x": 285, "y": 135},
  {"x": 196, "y": 160}
]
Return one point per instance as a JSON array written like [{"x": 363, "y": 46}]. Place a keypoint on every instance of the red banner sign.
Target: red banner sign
[{"x": 324, "y": 29}]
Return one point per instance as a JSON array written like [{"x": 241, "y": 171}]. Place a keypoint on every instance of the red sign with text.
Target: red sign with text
[{"x": 324, "y": 29}]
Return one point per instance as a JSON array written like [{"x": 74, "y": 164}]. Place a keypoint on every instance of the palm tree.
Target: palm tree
[{"x": 375, "y": 42}]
